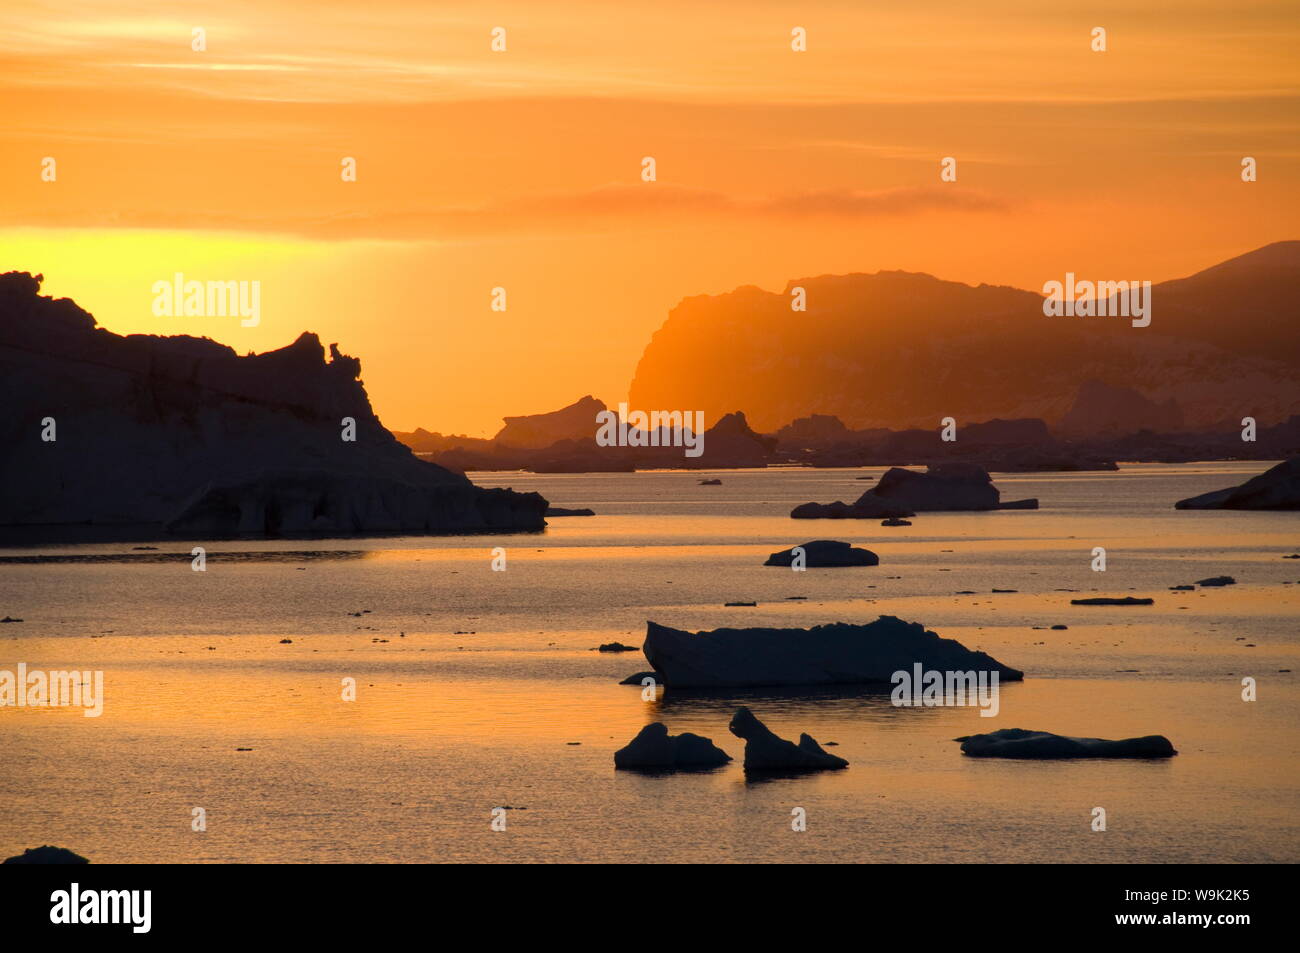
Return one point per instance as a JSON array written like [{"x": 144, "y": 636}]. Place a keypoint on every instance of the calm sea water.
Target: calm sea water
[{"x": 479, "y": 689}]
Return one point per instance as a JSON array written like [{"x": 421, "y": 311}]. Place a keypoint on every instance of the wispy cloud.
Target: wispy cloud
[{"x": 610, "y": 208}]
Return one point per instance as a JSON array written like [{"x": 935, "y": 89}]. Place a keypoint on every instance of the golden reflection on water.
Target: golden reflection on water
[{"x": 485, "y": 689}]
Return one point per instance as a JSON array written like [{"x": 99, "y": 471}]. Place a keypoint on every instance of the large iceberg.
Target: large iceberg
[
  {"x": 840, "y": 653},
  {"x": 901, "y": 492}
]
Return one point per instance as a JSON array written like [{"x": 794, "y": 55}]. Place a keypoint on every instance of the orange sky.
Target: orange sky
[{"x": 521, "y": 168}]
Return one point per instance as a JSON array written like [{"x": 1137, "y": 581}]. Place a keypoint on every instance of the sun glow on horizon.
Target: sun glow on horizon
[{"x": 520, "y": 169}]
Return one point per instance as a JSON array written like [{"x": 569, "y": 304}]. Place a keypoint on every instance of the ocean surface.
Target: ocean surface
[{"x": 478, "y": 689}]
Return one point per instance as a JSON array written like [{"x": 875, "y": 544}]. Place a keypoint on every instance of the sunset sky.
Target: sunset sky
[{"x": 522, "y": 168}]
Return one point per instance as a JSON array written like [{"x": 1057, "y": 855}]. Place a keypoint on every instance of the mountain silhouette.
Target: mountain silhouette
[
  {"x": 900, "y": 349},
  {"x": 183, "y": 434}
]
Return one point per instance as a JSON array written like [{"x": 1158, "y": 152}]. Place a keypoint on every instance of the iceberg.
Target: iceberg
[
  {"x": 1019, "y": 743},
  {"x": 840, "y": 653}
]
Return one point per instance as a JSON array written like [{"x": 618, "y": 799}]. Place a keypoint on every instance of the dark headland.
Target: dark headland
[{"x": 139, "y": 436}]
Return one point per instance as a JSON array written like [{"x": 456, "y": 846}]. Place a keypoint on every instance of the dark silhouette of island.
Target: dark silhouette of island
[
  {"x": 181, "y": 435},
  {"x": 538, "y": 431},
  {"x": 1104, "y": 423},
  {"x": 869, "y": 373},
  {"x": 575, "y": 422},
  {"x": 729, "y": 443}
]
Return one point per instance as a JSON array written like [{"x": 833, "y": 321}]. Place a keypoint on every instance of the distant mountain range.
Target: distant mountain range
[
  {"x": 182, "y": 435},
  {"x": 903, "y": 350},
  {"x": 564, "y": 440},
  {"x": 1104, "y": 425}
]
